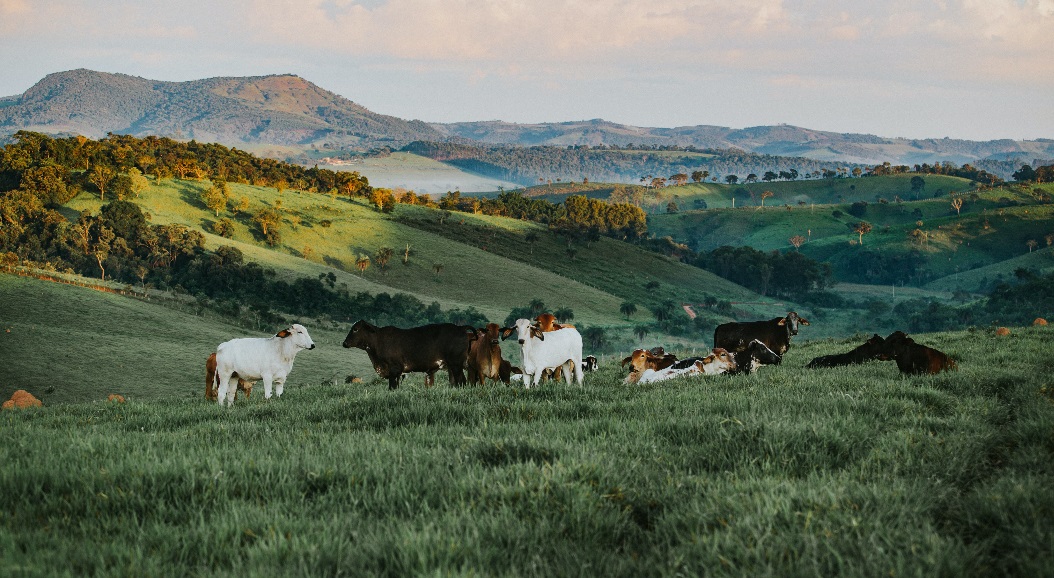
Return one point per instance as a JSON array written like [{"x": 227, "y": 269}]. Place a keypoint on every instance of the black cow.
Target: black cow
[
  {"x": 589, "y": 363},
  {"x": 872, "y": 349},
  {"x": 394, "y": 351},
  {"x": 774, "y": 333},
  {"x": 754, "y": 356}
]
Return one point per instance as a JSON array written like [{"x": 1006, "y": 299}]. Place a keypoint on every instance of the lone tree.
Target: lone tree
[
  {"x": 362, "y": 263},
  {"x": 641, "y": 331},
  {"x": 957, "y": 204},
  {"x": 384, "y": 254},
  {"x": 1032, "y": 244},
  {"x": 531, "y": 237},
  {"x": 917, "y": 185},
  {"x": 862, "y": 228},
  {"x": 765, "y": 195},
  {"x": 797, "y": 241},
  {"x": 628, "y": 308}
]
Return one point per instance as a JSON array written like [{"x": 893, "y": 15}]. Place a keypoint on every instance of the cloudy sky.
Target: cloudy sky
[{"x": 976, "y": 69}]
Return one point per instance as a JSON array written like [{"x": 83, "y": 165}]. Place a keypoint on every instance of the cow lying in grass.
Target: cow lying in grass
[
  {"x": 719, "y": 361},
  {"x": 914, "y": 358},
  {"x": 754, "y": 356},
  {"x": 872, "y": 349},
  {"x": 269, "y": 359}
]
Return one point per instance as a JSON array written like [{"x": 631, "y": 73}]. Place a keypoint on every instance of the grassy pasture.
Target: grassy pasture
[{"x": 855, "y": 471}]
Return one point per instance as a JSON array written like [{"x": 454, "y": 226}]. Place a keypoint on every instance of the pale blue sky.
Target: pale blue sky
[{"x": 976, "y": 69}]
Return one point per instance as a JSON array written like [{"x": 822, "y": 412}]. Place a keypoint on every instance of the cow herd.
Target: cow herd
[{"x": 547, "y": 348}]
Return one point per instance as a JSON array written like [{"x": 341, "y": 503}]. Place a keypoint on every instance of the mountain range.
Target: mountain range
[{"x": 285, "y": 109}]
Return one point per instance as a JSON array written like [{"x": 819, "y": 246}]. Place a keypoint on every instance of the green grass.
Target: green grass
[
  {"x": 855, "y": 471},
  {"x": 73, "y": 344}
]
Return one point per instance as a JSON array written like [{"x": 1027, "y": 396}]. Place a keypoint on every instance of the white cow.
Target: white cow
[
  {"x": 269, "y": 359},
  {"x": 548, "y": 350}
]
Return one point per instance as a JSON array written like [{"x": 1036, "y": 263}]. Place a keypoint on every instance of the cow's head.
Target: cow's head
[
  {"x": 897, "y": 343},
  {"x": 491, "y": 332},
  {"x": 873, "y": 348},
  {"x": 299, "y": 336},
  {"x": 719, "y": 361},
  {"x": 525, "y": 330},
  {"x": 360, "y": 334},
  {"x": 792, "y": 320},
  {"x": 546, "y": 322},
  {"x": 639, "y": 360}
]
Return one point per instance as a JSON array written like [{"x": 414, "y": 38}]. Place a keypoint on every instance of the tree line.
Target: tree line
[
  {"x": 60, "y": 168},
  {"x": 532, "y": 165}
]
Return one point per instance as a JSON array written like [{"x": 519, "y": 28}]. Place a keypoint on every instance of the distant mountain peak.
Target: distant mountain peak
[{"x": 277, "y": 108}]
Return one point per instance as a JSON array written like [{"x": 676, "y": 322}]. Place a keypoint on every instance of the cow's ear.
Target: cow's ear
[
  {"x": 506, "y": 332},
  {"x": 782, "y": 322},
  {"x": 535, "y": 332},
  {"x": 283, "y": 333},
  {"x": 803, "y": 321},
  {"x": 626, "y": 360},
  {"x": 471, "y": 334}
]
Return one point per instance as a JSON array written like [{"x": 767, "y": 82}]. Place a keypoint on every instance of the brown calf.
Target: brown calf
[
  {"x": 642, "y": 359},
  {"x": 210, "y": 381},
  {"x": 484, "y": 355}
]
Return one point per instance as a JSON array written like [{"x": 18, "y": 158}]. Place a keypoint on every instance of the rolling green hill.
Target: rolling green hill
[{"x": 485, "y": 261}]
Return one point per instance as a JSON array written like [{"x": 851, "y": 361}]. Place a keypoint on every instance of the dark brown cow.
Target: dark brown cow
[
  {"x": 484, "y": 355},
  {"x": 774, "y": 333},
  {"x": 870, "y": 350},
  {"x": 429, "y": 348},
  {"x": 914, "y": 358}
]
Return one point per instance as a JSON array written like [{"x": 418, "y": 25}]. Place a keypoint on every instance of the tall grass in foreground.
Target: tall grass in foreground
[{"x": 854, "y": 471}]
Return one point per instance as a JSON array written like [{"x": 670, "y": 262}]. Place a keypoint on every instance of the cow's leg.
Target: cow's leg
[
  {"x": 579, "y": 372},
  {"x": 222, "y": 384},
  {"x": 267, "y": 380},
  {"x": 430, "y": 378},
  {"x": 393, "y": 380},
  {"x": 279, "y": 385},
  {"x": 567, "y": 372},
  {"x": 232, "y": 390},
  {"x": 457, "y": 375}
]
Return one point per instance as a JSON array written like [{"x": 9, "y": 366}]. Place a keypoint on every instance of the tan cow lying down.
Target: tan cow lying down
[
  {"x": 642, "y": 359},
  {"x": 210, "y": 381},
  {"x": 718, "y": 362}
]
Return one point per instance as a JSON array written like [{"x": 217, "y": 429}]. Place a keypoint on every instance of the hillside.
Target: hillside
[
  {"x": 924, "y": 241},
  {"x": 485, "y": 261},
  {"x": 278, "y": 109},
  {"x": 778, "y": 140}
]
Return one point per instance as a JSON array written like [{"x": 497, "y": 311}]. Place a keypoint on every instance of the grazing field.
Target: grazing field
[{"x": 853, "y": 471}]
